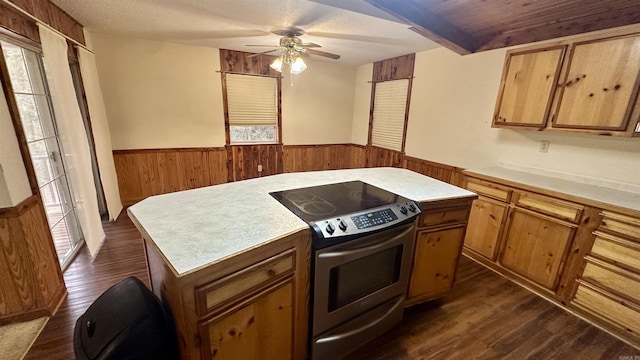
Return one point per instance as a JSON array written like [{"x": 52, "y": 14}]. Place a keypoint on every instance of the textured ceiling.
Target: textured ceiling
[{"x": 340, "y": 27}]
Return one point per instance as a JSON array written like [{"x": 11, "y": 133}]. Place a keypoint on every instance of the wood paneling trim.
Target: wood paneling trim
[
  {"x": 18, "y": 25},
  {"x": 297, "y": 158},
  {"x": 239, "y": 62},
  {"x": 31, "y": 283},
  {"x": 447, "y": 173},
  {"x": 396, "y": 68},
  {"x": 18, "y": 210},
  {"x": 147, "y": 172},
  {"x": 50, "y": 14}
]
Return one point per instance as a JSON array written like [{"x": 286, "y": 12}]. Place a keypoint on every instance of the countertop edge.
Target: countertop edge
[{"x": 555, "y": 193}]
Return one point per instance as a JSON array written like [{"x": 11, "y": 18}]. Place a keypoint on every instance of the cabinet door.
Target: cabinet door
[
  {"x": 528, "y": 85},
  {"x": 601, "y": 85},
  {"x": 483, "y": 230},
  {"x": 434, "y": 262},
  {"x": 261, "y": 329},
  {"x": 536, "y": 246}
]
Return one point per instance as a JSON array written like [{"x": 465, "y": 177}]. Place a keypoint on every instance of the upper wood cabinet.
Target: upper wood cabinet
[
  {"x": 588, "y": 86},
  {"x": 600, "y": 86},
  {"x": 528, "y": 86}
]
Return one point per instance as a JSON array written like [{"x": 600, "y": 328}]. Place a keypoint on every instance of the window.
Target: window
[
  {"x": 252, "y": 108},
  {"x": 31, "y": 93},
  {"x": 389, "y": 114}
]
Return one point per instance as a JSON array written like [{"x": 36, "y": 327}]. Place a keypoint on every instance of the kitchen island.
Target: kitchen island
[{"x": 233, "y": 263}]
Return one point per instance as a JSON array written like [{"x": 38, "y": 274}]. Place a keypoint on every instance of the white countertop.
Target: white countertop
[
  {"x": 196, "y": 228},
  {"x": 588, "y": 192}
]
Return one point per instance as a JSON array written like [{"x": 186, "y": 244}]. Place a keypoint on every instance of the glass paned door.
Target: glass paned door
[{"x": 34, "y": 105}]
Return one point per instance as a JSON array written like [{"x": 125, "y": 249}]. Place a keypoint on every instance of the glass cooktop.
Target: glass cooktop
[{"x": 321, "y": 202}]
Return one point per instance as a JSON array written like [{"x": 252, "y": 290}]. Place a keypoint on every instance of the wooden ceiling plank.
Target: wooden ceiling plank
[
  {"x": 424, "y": 22},
  {"x": 562, "y": 28},
  {"x": 623, "y": 11}
]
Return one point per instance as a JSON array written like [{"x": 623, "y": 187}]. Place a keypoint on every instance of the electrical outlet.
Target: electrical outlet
[
  {"x": 544, "y": 146},
  {"x": 259, "y": 168}
]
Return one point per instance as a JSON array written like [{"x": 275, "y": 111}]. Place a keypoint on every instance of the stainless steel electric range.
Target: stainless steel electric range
[{"x": 362, "y": 245}]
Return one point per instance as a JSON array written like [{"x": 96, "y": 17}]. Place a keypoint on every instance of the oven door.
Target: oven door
[{"x": 358, "y": 275}]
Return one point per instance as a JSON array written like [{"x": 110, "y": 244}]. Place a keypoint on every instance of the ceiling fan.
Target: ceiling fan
[{"x": 290, "y": 48}]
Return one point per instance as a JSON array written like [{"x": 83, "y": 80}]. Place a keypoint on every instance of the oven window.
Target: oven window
[{"x": 359, "y": 278}]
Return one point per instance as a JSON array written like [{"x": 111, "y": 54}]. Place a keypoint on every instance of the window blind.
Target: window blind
[
  {"x": 252, "y": 100},
  {"x": 389, "y": 107}
]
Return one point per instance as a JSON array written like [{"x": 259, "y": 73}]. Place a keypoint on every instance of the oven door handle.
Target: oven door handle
[
  {"x": 363, "y": 328},
  {"x": 365, "y": 249}
]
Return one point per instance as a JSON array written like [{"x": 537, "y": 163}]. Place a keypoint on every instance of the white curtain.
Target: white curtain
[
  {"x": 72, "y": 136},
  {"x": 101, "y": 133}
]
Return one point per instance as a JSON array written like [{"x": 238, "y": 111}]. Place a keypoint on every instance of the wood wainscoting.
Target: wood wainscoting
[
  {"x": 31, "y": 283},
  {"x": 243, "y": 161},
  {"x": 447, "y": 173},
  {"x": 147, "y": 172},
  {"x": 380, "y": 157},
  {"x": 322, "y": 157}
]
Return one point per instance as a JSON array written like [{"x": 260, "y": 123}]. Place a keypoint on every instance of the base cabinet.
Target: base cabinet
[
  {"x": 437, "y": 249},
  {"x": 536, "y": 246},
  {"x": 578, "y": 256},
  {"x": 261, "y": 328},
  {"x": 485, "y": 223},
  {"x": 435, "y": 260},
  {"x": 609, "y": 286},
  {"x": 253, "y": 305}
]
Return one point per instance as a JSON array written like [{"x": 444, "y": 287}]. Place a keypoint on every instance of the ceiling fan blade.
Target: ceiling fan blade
[
  {"x": 323, "y": 53},
  {"x": 260, "y": 45},
  {"x": 309, "y": 45},
  {"x": 261, "y": 53}
]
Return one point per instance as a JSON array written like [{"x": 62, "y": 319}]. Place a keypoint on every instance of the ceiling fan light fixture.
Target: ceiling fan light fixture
[
  {"x": 297, "y": 66},
  {"x": 277, "y": 64}
]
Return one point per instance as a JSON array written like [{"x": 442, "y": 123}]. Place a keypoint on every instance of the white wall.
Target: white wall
[
  {"x": 452, "y": 104},
  {"x": 318, "y": 108},
  {"x": 164, "y": 95},
  {"x": 362, "y": 104},
  {"x": 160, "y": 94},
  {"x": 14, "y": 183}
]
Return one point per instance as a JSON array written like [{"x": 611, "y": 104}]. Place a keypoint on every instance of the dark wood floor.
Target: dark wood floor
[
  {"x": 483, "y": 317},
  {"x": 122, "y": 255}
]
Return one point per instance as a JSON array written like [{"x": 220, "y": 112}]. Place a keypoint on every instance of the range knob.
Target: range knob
[
  {"x": 330, "y": 229},
  {"x": 342, "y": 225},
  {"x": 412, "y": 208},
  {"x": 403, "y": 210}
]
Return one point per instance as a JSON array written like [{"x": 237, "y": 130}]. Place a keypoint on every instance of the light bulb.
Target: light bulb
[
  {"x": 277, "y": 64},
  {"x": 298, "y": 66}
]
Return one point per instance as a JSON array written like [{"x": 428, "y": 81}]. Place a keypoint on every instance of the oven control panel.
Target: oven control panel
[
  {"x": 366, "y": 221},
  {"x": 374, "y": 218}
]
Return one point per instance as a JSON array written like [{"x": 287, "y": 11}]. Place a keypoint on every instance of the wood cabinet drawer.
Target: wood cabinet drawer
[
  {"x": 608, "y": 307},
  {"x": 446, "y": 217},
  {"x": 620, "y": 224},
  {"x": 550, "y": 206},
  {"x": 242, "y": 283},
  {"x": 489, "y": 189},
  {"x": 619, "y": 281},
  {"x": 619, "y": 251}
]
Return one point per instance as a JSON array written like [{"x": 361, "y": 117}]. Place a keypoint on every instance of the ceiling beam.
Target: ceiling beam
[{"x": 428, "y": 24}]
